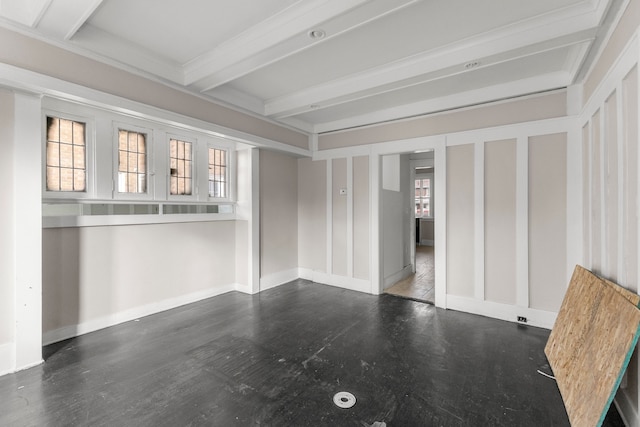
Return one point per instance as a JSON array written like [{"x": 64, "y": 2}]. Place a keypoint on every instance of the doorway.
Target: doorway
[{"x": 420, "y": 285}]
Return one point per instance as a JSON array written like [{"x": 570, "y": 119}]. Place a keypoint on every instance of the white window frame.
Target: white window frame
[
  {"x": 194, "y": 169},
  {"x": 429, "y": 176},
  {"x": 231, "y": 172},
  {"x": 150, "y": 193},
  {"x": 90, "y": 189}
]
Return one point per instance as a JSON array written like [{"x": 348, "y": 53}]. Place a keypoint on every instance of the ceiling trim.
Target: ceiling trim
[
  {"x": 88, "y": 10},
  {"x": 516, "y": 36},
  {"x": 27, "y": 13},
  {"x": 281, "y": 36},
  {"x": 460, "y": 100}
]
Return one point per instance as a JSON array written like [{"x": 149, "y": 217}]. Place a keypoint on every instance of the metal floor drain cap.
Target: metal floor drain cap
[{"x": 344, "y": 399}]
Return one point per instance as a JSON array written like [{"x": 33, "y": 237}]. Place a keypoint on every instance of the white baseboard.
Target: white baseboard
[
  {"x": 350, "y": 283},
  {"x": 71, "y": 331},
  {"x": 245, "y": 289},
  {"x": 396, "y": 277},
  {"x": 626, "y": 409},
  {"x": 7, "y": 358},
  {"x": 276, "y": 279},
  {"x": 538, "y": 318}
]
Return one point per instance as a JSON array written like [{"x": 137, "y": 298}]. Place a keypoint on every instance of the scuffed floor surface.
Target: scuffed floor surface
[{"x": 278, "y": 358}]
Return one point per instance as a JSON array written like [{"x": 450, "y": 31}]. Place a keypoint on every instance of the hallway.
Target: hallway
[{"x": 421, "y": 285}]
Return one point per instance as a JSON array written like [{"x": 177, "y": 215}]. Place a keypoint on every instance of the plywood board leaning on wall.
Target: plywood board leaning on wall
[{"x": 591, "y": 343}]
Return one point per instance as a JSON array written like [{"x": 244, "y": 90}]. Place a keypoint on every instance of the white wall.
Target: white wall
[
  {"x": 396, "y": 215},
  {"x": 99, "y": 276},
  {"x": 278, "y": 218},
  {"x": 7, "y": 238}
]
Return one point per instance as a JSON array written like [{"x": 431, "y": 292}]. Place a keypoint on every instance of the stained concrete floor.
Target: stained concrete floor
[
  {"x": 278, "y": 358},
  {"x": 419, "y": 286}
]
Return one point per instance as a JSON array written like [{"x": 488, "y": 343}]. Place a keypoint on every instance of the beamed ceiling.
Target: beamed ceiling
[{"x": 324, "y": 65}]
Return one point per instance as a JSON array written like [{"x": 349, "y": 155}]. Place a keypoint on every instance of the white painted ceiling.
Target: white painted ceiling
[{"x": 379, "y": 60}]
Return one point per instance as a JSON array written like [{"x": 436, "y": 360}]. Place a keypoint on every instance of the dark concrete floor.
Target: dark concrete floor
[{"x": 277, "y": 359}]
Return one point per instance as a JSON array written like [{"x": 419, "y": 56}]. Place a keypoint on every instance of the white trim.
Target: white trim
[
  {"x": 375, "y": 188},
  {"x": 27, "y": 191},
  {"x": 604, "y": 254},
  {"x": 343, "y": 282},
  {"x": 254, "y": 222},
  {"x": 537, "y": 318},
  {"x": 621, "y": 276},
  {"x": 350, "y": 218},
  {"x": 274, "y": 280},
  {"x": 107, "y": 220},
  {"x": 574, "y": 201},
  {"x": 627, "y": 59},
  {"x": 329, "y": 219},
  {"x": 479, "y": 225},
  {"x": 92, "y": 325},
  {"x": 7, "y": 358},
  {"x": 522, "y": 221},
  {"x": 440, "y": 218}
]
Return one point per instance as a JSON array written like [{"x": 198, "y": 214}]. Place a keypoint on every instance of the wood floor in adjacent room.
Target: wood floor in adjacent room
[
  {"x": 278, "y": 358},
  {"x": 419, "y": 286}
]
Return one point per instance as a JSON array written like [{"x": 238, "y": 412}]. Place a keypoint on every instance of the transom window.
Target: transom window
[
  {"x": 218, "y": 178},
  {"x": 180, "y": 168},
  {"x": 132, "y": 162},
  {"x": 66, "y": 155}
]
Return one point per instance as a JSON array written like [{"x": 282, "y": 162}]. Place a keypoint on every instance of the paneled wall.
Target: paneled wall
[
  {"x": 609, "y": 131},
  {"x": 507, "y": 216},
  {"x": 334, "y": 221}
]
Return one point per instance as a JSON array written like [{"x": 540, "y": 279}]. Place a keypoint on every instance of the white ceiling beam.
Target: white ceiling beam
[
  {"x": 25, "y": 12},
  {"x": 566, "y": 27},
  {"x": 458, "y": 100},
  {"x": 281, "y": 36},
  {"x": 65, "y": 17}
]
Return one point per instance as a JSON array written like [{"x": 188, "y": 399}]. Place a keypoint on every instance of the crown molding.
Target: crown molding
[{"x": 460, "y": 100}]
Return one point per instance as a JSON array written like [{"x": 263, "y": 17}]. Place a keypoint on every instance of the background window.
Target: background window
[
  {"x": 66, "y": 155},
  {"x": 132, "y": 162},
  {"x": 217, "y": 173},
  {"x": 423, "y": 197},
  {"x": 180, "y": 164}
]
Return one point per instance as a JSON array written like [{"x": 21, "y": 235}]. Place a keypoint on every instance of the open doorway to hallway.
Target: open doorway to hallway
[{"x": 421, "y": 284}]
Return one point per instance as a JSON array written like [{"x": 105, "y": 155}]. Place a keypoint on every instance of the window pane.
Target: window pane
[
  {"x": 78, "y": 133},
  {"x": 66, "y": 155},
  {"x": 79, "y": 180},
  {"x": 53, "y": 154},
  {"x": 66, "y": 131},
  {"x": 217, "y": 173},
  {"x": 180, "y": 167},
  {"x": 78, "y": 157},
  {"x": 132, "y": 162},
  {"x": 66, "y": 179},
  {"x": 53, "y": 179}
]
